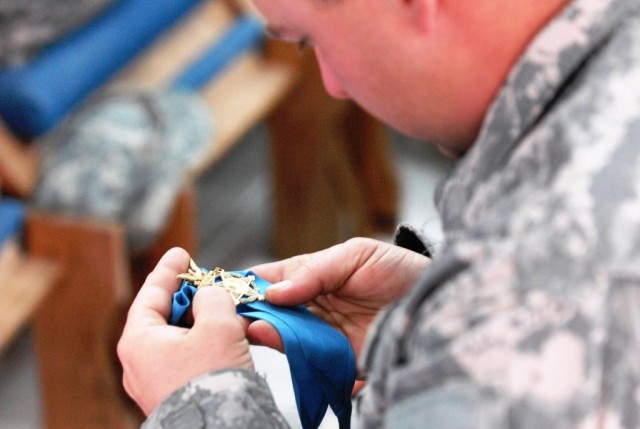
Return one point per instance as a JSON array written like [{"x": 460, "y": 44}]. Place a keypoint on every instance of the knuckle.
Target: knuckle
[
  {"x": 359, "y": 242},
  {"x": 121, "y": 349},
  {"x": 309, "y": 262},
  {"x": 124, "y": 346},
  {"x": 226, "y": 324}
]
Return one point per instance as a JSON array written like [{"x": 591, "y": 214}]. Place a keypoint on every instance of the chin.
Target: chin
[{"x": 452, "y": 142}]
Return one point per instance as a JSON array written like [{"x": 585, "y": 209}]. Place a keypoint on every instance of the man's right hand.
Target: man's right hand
[{"x": 346, "y": 285}]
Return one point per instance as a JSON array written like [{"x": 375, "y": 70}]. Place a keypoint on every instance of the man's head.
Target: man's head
[{"x": 427, "y": 67}]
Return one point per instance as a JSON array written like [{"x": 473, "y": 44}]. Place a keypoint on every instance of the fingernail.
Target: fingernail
[{"x": 276, "y": 287}]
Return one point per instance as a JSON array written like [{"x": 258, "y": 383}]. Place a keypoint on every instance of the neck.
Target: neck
[{"x": 496, "y": 45}]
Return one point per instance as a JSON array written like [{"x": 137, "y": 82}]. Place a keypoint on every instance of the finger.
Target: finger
[
  {"x": 357, "y": 387},
  {"x": 152, "y": 305},
  {"x": 213, "y": 307},
  {"x": 276, "y": 271},
  {"x": 261, "y": 333},
  {"x": 245, "y": 323},
  {"x": 309, "y": 276},
  {"x": 282, "y": 292}
]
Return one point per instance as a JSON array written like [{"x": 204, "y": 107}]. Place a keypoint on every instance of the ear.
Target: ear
[{"x": 421, "y": 13}]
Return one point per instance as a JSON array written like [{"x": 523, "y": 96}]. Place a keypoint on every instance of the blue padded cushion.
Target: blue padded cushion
[
  {"x": 245, "y": 33},
  {"x": 11, "y": 218},
  {"x": 37, "y": 95}
]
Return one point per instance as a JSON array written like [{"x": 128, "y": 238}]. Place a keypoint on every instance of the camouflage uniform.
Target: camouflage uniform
[
  {"x": 529, "y": 315},
  {"x": 28, "y": 26},
  {"x": 124, "y": 156}
]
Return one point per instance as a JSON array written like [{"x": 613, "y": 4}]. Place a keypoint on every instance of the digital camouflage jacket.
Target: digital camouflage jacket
[
  {"x": 529, "y": 315},
  {"x": 28, "y": 26}
]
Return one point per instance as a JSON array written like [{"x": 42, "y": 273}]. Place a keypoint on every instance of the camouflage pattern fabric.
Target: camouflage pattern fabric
[
  {"x": 124, "y": 157},
  {"x": 27, "y": 26},
  {"x": 235, "y": 398},
  {"x": 529, "y": 315}
]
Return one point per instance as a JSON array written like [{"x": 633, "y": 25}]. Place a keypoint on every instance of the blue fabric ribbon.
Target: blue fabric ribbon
[{"x": 320, "y": 358}]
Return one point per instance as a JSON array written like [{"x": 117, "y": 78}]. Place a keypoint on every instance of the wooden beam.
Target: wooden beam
[
  {"x": 77, "y": 327},
  {"x": 18, "y": 165},
  {"x": 179, "y": 231},
  {"x": 25, "y": 282}
]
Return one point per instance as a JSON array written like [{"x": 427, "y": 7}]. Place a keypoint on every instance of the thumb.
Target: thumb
[
  {"x": 320, "y": 273},
  {"x": 218, "y": 332},
  {"x": 213, "y": 307},
  {"x": 292, "y": 292}
]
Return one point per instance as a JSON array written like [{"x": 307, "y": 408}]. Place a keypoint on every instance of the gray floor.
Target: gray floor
[{"x": 234, "y": 223}]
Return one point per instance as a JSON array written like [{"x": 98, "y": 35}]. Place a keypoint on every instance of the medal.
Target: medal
[
  {"x": 321, "y": 360},
  {"x": 242, "y": 289}
]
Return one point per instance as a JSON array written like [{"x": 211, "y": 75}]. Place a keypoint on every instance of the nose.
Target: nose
[{"x": 329, "y": 80}]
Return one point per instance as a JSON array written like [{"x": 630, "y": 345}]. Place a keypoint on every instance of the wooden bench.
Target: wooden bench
[{"x": 25, "y": 282}]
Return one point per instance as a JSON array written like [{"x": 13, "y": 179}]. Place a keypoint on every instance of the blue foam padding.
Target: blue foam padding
[
  {"x": 11, "y": 218},
  {"x": 245, "y": 33},
  {"x": 37, "y": 95}
]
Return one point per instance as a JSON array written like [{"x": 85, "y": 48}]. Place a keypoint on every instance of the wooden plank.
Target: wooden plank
[
  {"x": 239, "y": 98},
  {"x": 77, "y": 327},
  {"x": 24, "y": 283},
  {"x": 160, "y": 63},
  {"x": 370, "y": 160},
  {"x": 329, "y": 159},
  {"x": 179, "y": 231},
  {"x": 307, "y": 213},
  {"x": 18, "y": 165}
]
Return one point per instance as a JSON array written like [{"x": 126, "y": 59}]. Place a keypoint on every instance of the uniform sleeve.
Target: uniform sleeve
[
  {"x": 235, "y": 398},
  {"x": 481, "y": 353}
]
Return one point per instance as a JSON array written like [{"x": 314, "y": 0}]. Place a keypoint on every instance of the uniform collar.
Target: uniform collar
[{"x": 551, "y": 59}]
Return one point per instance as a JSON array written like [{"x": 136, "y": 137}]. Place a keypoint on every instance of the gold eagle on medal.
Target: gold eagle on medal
[{"x": 243, "y": 289}]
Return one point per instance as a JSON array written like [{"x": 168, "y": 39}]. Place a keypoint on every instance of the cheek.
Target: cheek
[{"x": 361, "y": 79}]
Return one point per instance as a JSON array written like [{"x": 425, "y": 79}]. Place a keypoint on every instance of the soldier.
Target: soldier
[{"x": 529, "y": 313}]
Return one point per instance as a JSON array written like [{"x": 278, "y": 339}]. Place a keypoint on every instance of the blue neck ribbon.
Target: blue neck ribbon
[{"x": 320, "y": 357}]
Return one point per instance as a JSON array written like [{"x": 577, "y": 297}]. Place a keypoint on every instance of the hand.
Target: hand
[
  {"x": 346, "y": 285},
  {"x": 158, "y": 358}
]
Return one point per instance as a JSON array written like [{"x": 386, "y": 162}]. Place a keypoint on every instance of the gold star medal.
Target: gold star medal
[{"x": 243, "y": 289}]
